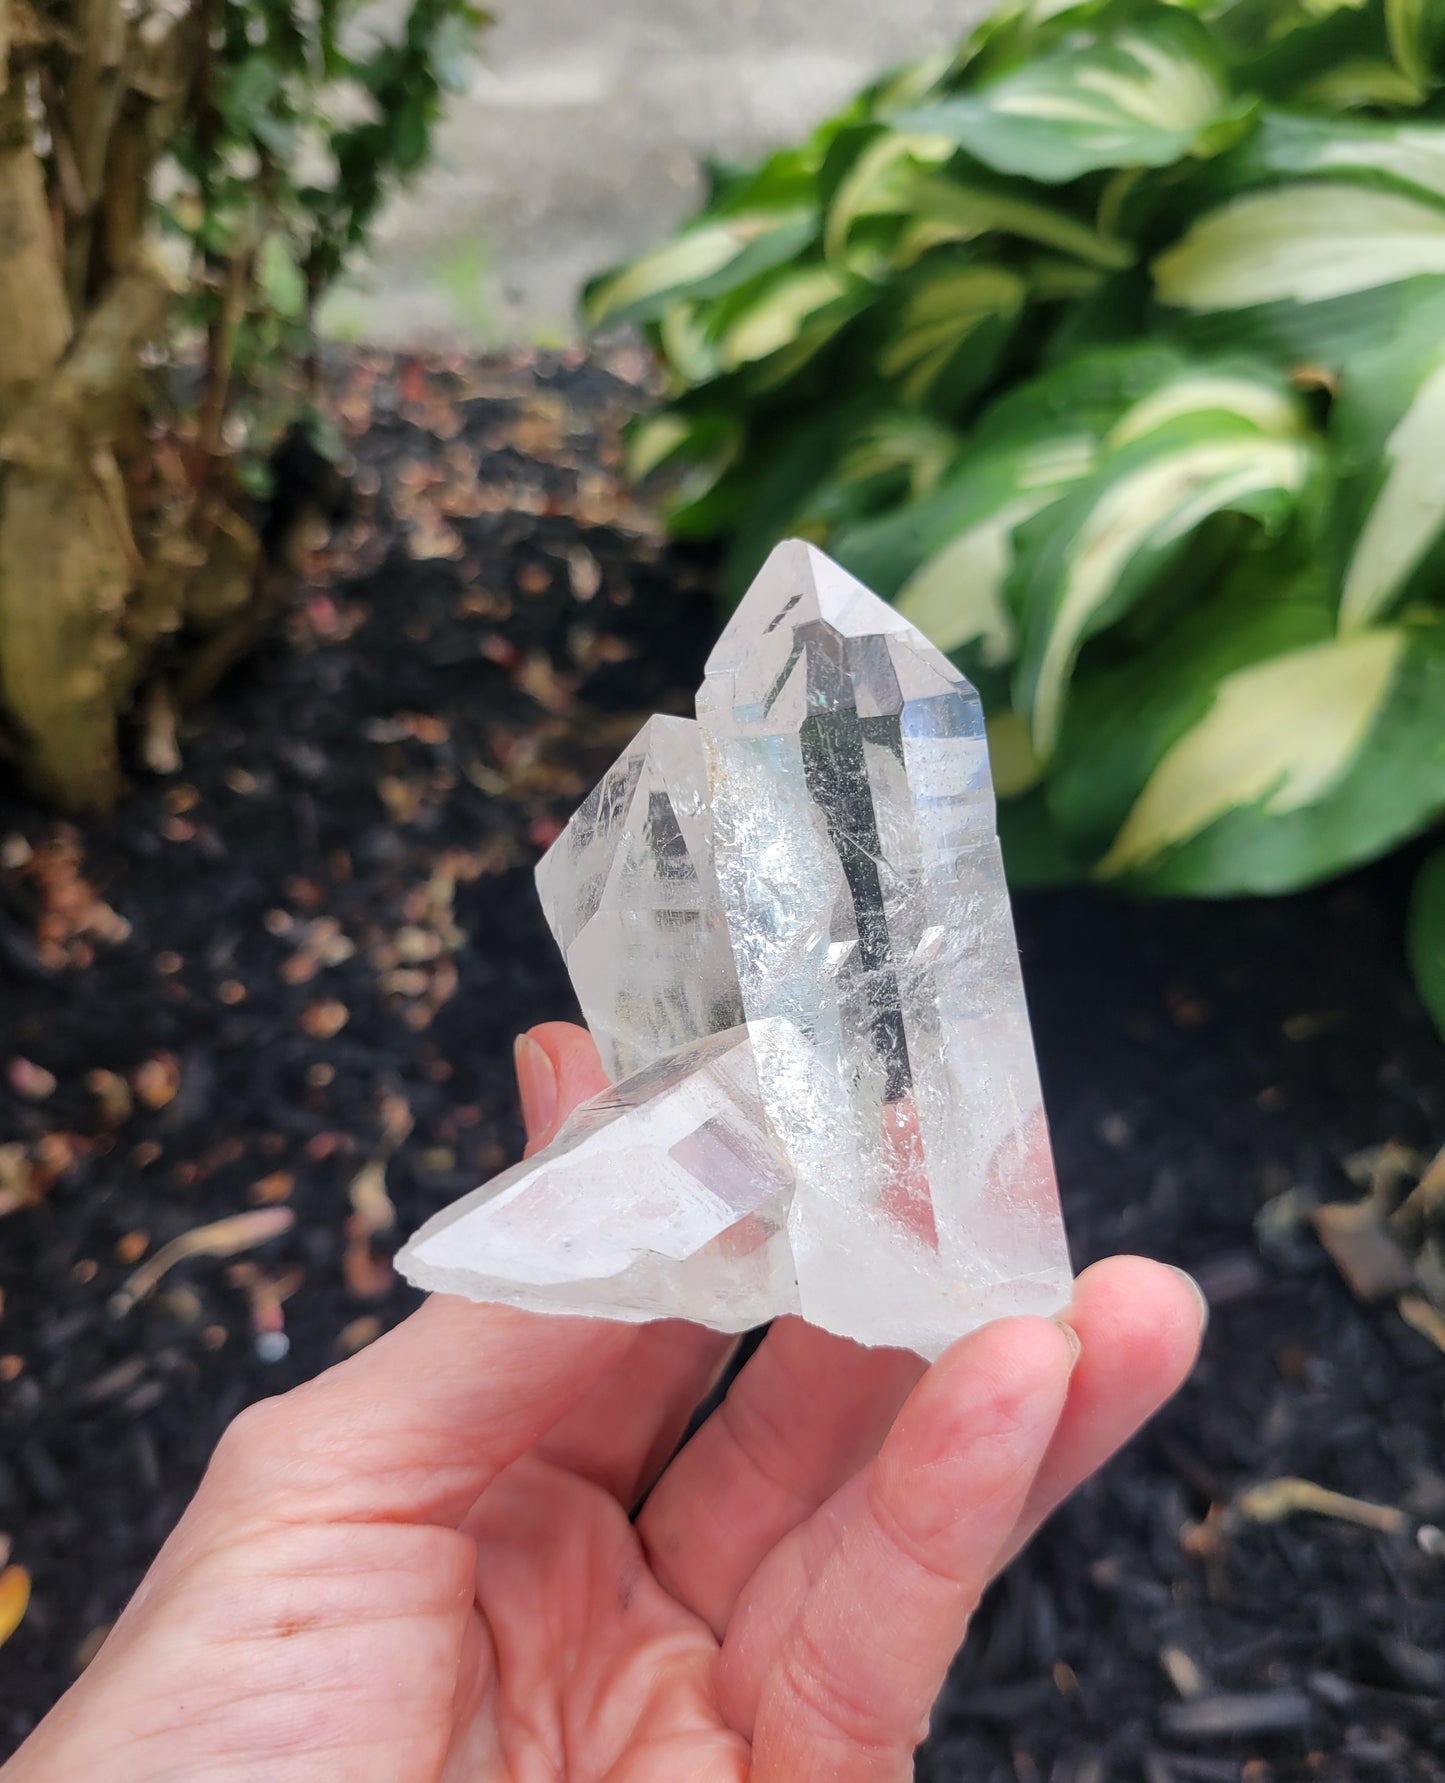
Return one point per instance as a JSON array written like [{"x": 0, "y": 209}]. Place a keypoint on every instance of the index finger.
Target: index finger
[{"x": 417, "y": 1426}]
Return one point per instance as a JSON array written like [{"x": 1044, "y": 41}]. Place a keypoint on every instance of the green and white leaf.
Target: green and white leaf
[
  {"x": 894, "y": 551},
  {"x": 711, "y": 257},
  {"x": 1405, "y": 22},
  {"x": 1301, "y": 767},
  {"x": 1407, "y": 514},
  {"x": 1257, "y": 400},
  {"x": 1277, "y": 736},
  {"x": 892, "y": 458},
  {"x": 1141, "y": 96},
  {"x": 700, "y": 446},
  {"x": 1102, "y": 549},
  {"x": 957, "y": 595},
  {"x": 780, "y": 321},
  {"x": 1125, "y": 713},
  {"x": 1294, "y": 145},
  {"x": 947, "y": 310},
  {"x": 1304, "y": 243},
  {"x": 882, "y": 182},
  {"x": 963, "y": 208}
]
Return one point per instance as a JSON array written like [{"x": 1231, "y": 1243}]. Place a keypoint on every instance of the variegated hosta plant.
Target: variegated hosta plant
[{"x": 1112, "y": 347}]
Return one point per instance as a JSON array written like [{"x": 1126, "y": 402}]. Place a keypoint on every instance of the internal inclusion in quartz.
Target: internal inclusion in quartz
[{"x": 788, "y": 928}]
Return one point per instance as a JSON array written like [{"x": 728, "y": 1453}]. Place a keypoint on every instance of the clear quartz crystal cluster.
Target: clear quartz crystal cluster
[{"x": 788, "y": 929}]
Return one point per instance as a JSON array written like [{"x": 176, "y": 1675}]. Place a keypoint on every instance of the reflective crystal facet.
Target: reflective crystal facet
[
  {"x": 630, "y": 893},
  {"x": 814, "y": 859},
  {"x": 665, "y": 1197}
]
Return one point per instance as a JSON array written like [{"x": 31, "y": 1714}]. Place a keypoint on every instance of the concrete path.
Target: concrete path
[{"x": 577, "y": 143}]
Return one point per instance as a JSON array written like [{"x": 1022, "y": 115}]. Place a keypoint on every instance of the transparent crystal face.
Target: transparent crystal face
[
  {"x": 664, "y": 1197},
  {"x": 854, "y": 846},
  {"x": 815, "y": 858},
  {"x": 629, "y": 891}
]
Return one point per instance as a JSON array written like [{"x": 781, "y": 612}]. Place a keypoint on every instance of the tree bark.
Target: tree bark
[
  {"x": 68, "y": 561},
  {"x": 34, "y": 313},
  {"x": 92, "y": 105}
]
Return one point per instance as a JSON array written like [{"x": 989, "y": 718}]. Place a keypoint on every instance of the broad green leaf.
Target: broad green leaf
[
  {"x": 282, "y": 282},
  {"x": 1034, "y": 853},
  {"x": 1305, "y": 242},
  {"x": 1277, "y": 734},
  {"x": 1407, "y": 513},
  {"x": 690, "y": 350},
  {"x": 956, "y": 596},
  {"x": 1427, "y": 936},
  {"x": 1106, "y": 545},
  {"x": 968, "y": 207},
  {"x": 699, "y": 448},
  {"x": 1293, "y": 145},
  {"x": 1361, "y": 82},
  {"x": 1302, "y": 766},
  {"x": 1088, "y": 391},
  {"x": 1011, "y": 759},
  {"x": 1405, "y": 28},
  {"x": 881, "y": 182},
  {"x": 895, "y": 457},
  {"x": 888, "y": 552},
  {"x": 703, "y": 260},
  {"x": 1126, "y": 713},
  {"x": 1263, "y": 404},
  {"x": 1142, "y": 96},
  {"x": 788, "y": 315},
  {"x": 947, "y": 312}
]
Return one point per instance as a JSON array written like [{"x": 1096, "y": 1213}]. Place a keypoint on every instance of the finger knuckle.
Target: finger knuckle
[{"x": 829, "y": 1697}]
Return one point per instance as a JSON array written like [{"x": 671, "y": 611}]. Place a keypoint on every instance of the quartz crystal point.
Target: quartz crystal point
[
  {"x": 665, "y": 1197},
  {"x": 630, "y": 893},
  {"x": 789, "y": 922}
]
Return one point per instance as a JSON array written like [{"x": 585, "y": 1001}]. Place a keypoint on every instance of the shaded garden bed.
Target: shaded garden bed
[{"x": 283, "y": 985}]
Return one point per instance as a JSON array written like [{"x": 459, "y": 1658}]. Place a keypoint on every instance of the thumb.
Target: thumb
[{"x": 557, "y": 1067}]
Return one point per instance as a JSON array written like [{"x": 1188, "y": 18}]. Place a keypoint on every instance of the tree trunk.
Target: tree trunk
[
  {"x": 68, "y": 560},
  {"x": 34, "y": 314}
]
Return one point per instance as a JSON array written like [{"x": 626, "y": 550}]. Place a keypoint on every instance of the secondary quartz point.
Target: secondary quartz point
[
  {"x": 664, "y": 1197},
  {"x": 811, "y": 871},
  {"x": 630, "y": 893}
]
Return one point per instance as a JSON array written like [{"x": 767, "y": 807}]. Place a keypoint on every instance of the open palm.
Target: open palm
[{"x": 425, "y": 1564}]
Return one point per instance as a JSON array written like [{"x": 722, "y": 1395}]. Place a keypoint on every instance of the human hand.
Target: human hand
[{"x": 422, "y": 1566}]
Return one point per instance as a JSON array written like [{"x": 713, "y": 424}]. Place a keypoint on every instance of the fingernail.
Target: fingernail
[
  {"x": 536, "y": 1084},
  {"x": 1076, "y": 1348},
  {"x": 1198, "y": 1293}
]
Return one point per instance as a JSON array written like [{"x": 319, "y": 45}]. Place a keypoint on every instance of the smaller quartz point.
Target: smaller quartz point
[
  {"x": 664, "y": 1197},
  {"x": 788, "y": 928},
  {"x": 630, "y": 892}
]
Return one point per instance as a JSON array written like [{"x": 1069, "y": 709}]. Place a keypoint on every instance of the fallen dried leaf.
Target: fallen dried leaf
[
  {"x": 14, "y": 1600},
  {"x": 156, "y": 1081},
  {"x": 1370, "y": 1260},
  {"x": 112, "y": 1094},
  {"x": 274, "y": 1188},
  {"x": 1274, "y": 1500},
  {"x": 369, "y": 1198},
  {"x": 221, "y": 1238},
  {"x": 359, "y": 1333},
  {"x": 30, "y": 1080},
  {"x": 323, "y": 1021},
  {"x": 1428, "y": 1320}
]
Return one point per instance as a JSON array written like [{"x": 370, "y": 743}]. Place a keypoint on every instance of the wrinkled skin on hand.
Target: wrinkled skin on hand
[{"x": 423, "y": 1565}]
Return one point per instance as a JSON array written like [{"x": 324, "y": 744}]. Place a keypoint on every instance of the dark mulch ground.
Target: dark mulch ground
[{"x": 333, "y": 938}]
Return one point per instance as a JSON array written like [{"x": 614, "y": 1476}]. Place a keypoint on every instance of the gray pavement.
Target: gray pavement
[{"x": 577, "y": 143}]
